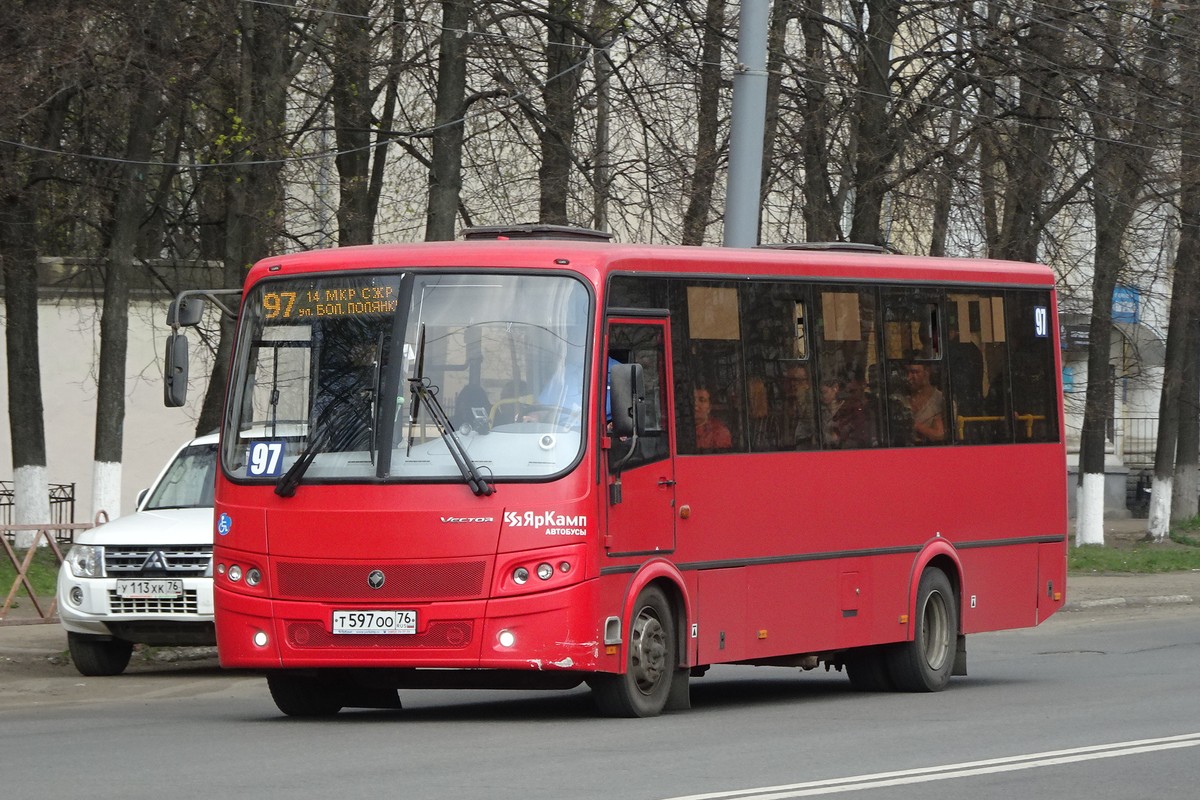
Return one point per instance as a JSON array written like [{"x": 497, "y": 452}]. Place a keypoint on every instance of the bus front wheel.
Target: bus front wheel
[
  {"x": 304, "y": 696},
  {"x": 650, "y": 662},
  {"x": 925, "y": 663}
]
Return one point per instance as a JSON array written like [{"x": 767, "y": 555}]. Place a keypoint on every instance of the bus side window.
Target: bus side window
[
  {"x": 977, "y": 360},
  {"x": 1031, "y": 359},
  {"x": 846, "y": 345},
  {"x": 913, "y": 347},
  {"x": 780, "y": 397}
]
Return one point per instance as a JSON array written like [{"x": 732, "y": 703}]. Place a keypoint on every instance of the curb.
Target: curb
[{"x": 1130, "y": 602}]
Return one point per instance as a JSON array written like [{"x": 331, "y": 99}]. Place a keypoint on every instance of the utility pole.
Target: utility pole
[{"x": 742, "y": 201}]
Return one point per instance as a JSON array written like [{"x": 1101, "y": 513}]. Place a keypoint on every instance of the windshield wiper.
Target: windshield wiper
[
  {"x": 326, "y": 437},
  {"x": 424, "y": 392}
]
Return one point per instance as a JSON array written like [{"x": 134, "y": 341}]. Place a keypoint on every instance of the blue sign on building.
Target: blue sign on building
[{"x": 1125, "y": 304}]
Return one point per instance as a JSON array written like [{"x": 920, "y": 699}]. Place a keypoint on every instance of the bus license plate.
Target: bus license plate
[
  {"x": 150, "y": 588},
  {"x": 375, "y": 622}
]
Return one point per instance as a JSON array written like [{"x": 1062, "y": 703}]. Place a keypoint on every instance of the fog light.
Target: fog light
[
  {"x": 545, "y": 571},
  {"x": 507, "y": 639},
  {"x": 564, "y": 567},
  {"x": 520, "y": 575},
  {"x": 260, "y": 638},
  {"x": 235, "y": 573},
  {"x": 220, "y": 569},
  {"x": 76, "y": 595},
  {"x": 253, "y": 577}
]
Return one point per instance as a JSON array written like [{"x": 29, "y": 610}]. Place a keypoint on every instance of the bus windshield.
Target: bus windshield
[{"x": 408, "y": 376}]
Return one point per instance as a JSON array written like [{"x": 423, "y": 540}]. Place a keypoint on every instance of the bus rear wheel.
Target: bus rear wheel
[
  {"x": 303, "y": 695},
  {"x": 650, "y": 662},
  {"x": 925, "y": 663}
]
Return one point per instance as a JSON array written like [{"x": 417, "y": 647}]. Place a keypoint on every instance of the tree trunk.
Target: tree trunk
[
  {"x": 1028, "y": 160},
  {"x": 820, "y": 211},
  {"x": 1122, "y": 163},
  {"x": 1185, "y": 499},
  {"x": 563, "y": 57},
  {"x": 352, "y": 98},
  {"x": 1183, "y": 302},
  {"x": 445, "y": 169},
  {"x": 875, "y": 145},
  {"x": 253, "y": 193},
  {"x": 704, "y": 173},
  {"x": 20, "y": 196},
  {"x": 1184, "y": 287},
  {"x": 18, "y": 254},
  {"x": 129, "y": 209}
]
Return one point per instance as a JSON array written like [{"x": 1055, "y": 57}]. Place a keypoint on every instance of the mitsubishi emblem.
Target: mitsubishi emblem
[
  {"x": 156, "y": 560},
  {"x": 375, "y": 579}
]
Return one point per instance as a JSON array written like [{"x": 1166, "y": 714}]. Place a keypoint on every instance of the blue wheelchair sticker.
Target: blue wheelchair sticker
[{"x": 224, "y": 524}]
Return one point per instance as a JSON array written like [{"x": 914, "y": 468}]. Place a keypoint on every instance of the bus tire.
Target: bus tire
[
  {"x": 304, "y": 696},
  {"x": 650, "y": 662},
  {"x": 925, "y": 663},
  {"x": 867, "y": 668},
  {"x": 96, "y": 656}
]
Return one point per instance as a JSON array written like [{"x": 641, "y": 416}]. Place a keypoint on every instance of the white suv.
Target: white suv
[{"x": 145, "y": 577}]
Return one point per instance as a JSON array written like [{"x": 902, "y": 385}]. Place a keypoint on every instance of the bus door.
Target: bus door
[{"x": 641, "y": 512}]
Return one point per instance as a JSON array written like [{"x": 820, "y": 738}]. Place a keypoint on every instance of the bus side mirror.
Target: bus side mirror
[
  {"x": 185, "y": 312},
  {"x": 175, "y": 374},
  {"x": 628, "y": 399}
]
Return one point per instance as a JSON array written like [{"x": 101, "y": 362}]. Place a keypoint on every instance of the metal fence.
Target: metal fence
[
  {"x": 1134, "y": 440},
  {"x": 62, "y": 507}
]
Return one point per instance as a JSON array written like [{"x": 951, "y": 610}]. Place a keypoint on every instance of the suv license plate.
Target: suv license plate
[
  {"x": 377, "y": 622},
  {"x": 150, "y": 589}
]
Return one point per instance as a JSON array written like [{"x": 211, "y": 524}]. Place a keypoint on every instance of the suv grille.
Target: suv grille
[
  {"x": 146, "y": 561},
  {"x": 152, "y": 605}
]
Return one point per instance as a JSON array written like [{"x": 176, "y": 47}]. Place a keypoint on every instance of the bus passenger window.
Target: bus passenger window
[
  {"x": 1031, "y": 357},
  {"x": 977, "y": 360},
  {"x": 846, "y": 345},
  {"x": 780, "y": 396},
  {"x": 916, "y": 375}
]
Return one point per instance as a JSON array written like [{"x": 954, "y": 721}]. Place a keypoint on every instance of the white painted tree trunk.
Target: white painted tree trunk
[
  {"x": 1089, "y": 510},
  {"x": 106, "y": 488},
  {"x": 31, "y": 496},
  {"x": 1184, "y": 496},
  {"x": 1160, "y": 508}
]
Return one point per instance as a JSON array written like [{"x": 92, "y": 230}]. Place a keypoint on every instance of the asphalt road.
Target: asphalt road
[{"x": 1044, "y": 712}]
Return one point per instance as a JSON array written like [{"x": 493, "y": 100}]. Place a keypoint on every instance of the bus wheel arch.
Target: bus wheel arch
[
  {"x": 925, "y": 662},
  {"x": 652, "y": 679}
]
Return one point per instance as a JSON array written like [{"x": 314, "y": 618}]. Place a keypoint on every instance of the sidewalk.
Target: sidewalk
[{"x": 1087, "y": 592}]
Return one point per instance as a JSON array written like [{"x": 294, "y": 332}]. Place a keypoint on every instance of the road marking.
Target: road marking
[{"x": 947, "y": 771}]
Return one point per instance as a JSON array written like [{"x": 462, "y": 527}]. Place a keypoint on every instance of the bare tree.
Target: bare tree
[
  {"x": 43, "y": 64},
  {"x": 1124, "y": 110},
  {"x": 445, "y": 167}
]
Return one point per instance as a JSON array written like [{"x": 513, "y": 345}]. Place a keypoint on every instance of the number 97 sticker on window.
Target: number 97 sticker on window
[{"x": 265, "y": 459}]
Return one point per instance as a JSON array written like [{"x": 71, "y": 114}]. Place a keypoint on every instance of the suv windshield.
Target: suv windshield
[
  {"x": 188, "y": 481},
  {"x": 320, "y": 379}
]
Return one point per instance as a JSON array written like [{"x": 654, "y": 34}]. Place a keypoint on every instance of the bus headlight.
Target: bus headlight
[
  {"x": 545, "y": 571},
  {"x": 520, "y": 576}
]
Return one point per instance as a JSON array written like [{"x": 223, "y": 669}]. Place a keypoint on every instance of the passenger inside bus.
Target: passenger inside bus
[
  {"x": 799, "y": 413},
  {"x": 926, "y": 404},
  {"x": 711, "y": 433},
  {"x": 844, "y": 420}
]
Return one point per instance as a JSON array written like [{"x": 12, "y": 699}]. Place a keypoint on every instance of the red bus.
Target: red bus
[{"x": 515, "y": 461}]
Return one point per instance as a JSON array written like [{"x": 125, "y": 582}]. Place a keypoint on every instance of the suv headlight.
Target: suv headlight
[{"x": 86, "y": 560}]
